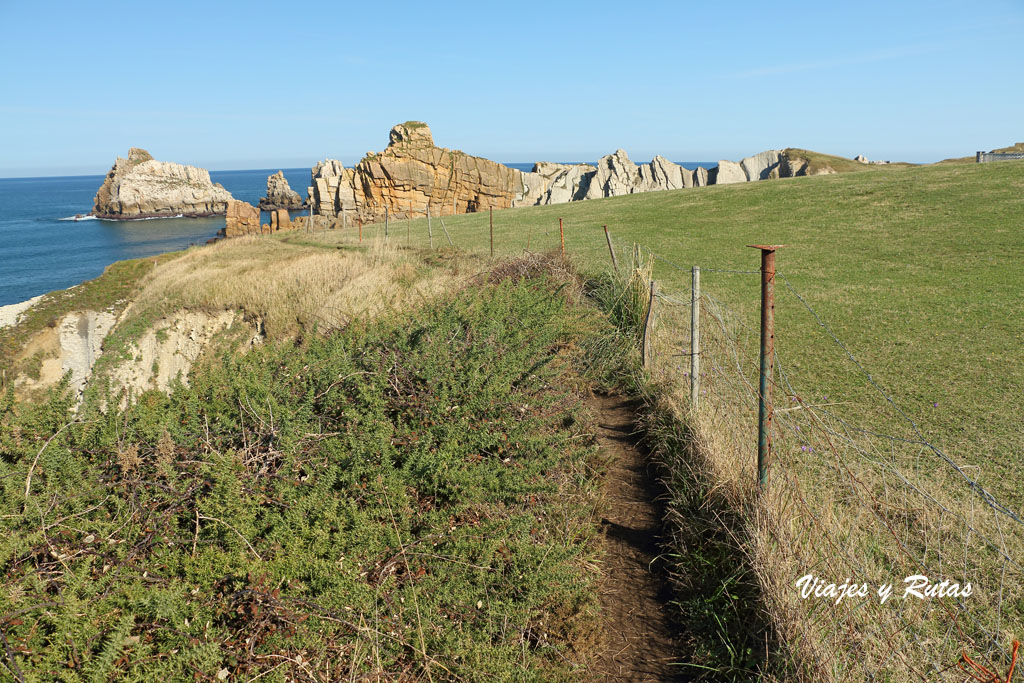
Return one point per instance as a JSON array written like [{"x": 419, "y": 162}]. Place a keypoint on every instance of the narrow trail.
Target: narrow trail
[{"x": 640, "y": 642}]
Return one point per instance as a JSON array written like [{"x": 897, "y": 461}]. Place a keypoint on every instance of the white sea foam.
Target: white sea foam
[
  {"x": 153, "y": 218},
  {"x": 94, "y": 218}
]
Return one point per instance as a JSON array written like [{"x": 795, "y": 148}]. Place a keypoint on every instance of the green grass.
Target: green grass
[
  {"x": 917, "y": 270},
  {"x": 414, "y": 496}
]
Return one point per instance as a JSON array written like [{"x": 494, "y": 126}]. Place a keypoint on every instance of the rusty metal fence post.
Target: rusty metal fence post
[{"x": 765, "y": 408}]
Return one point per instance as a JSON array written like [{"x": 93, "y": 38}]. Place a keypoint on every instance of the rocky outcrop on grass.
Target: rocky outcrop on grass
[
  {"x": 413, "y": 177},
  {"x": 141, "y": 187},
  {"x": 242, "y": 218}
]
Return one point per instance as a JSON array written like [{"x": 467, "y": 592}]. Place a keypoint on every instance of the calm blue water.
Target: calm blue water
[{"x": 41, "y": 253}]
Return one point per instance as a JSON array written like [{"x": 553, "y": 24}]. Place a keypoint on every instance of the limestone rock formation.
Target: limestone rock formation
[
  {"x": 700, "y": 177},
  {"x": 616, "y": 175},
  {"x": 141, "y": 187},
  {"x": 280, "y": 220},
  {"x": 662, "y": 174},
  {"x": 412, "y": 177},
  {"x": 762, "y": 166},
  {"x": 729, "y": 172},
  {"x": 557, "y": 183},
  {"x": 280, "y": 195},
  {"x": 242, "y": 218}
]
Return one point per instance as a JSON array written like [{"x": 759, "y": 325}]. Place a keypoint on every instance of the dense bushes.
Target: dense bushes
[{"x": 413, "y": 496}]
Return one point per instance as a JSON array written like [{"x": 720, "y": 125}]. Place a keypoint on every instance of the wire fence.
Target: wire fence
[
  {"x": 914, "y": 563},
  {"x": 852, "y": 505}
]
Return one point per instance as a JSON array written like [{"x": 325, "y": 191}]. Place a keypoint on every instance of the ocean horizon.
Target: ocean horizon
[{"x": 45, "y": 249}]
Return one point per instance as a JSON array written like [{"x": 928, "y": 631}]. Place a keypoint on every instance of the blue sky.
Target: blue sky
[{"x": 256, "y": 85}]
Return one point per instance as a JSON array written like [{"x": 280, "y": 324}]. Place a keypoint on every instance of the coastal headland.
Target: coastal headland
[{"x": 413, "y": 178}]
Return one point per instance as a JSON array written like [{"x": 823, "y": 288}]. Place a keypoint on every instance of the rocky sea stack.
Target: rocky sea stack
[
  {"x": 280, "y": 195},
  {"x": 141, "y": 187}
]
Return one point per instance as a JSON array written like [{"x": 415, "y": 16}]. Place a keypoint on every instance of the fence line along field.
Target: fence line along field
[{"x": 898, "y": 440}]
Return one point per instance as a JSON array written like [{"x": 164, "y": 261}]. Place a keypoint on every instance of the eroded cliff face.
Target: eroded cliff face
[
  {"x": 72, "y": 346},
  {"x": 141, "y": 187},
  {"x": 163, "y": 353}
]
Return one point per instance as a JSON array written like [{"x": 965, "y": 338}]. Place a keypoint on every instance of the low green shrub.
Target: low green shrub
[{"x": 412, "y": 497}]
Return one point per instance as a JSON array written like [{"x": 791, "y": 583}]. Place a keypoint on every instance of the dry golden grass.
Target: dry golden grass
[{"x": 293, "y": 287}]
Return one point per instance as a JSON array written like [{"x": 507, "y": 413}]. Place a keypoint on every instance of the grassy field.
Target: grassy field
[{"x": 917, "y": 271}]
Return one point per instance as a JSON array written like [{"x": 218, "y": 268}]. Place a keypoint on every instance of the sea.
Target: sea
[{"x": 43, "y": 248}]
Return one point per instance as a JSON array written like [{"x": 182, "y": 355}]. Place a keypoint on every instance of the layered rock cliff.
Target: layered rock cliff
[
  {"x": 141, "y": 187},
  {"x": 280, "y": 195},
  {"x": 413, "y": 176}
]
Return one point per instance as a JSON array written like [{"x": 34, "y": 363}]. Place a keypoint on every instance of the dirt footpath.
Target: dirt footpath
[{"x": 640, "y": 642}]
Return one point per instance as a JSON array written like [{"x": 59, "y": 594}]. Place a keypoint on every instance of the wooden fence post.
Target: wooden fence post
[
  {"x": 449, "y": 237},
  {"x": 695, "y": 340},
  {"x": 647, "y": 324},
  {"x": 608, "y": 238},
  {"x": 430, "y": 231}
]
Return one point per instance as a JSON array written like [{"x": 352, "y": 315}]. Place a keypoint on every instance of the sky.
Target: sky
[{"x": 227, "y": 85}]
